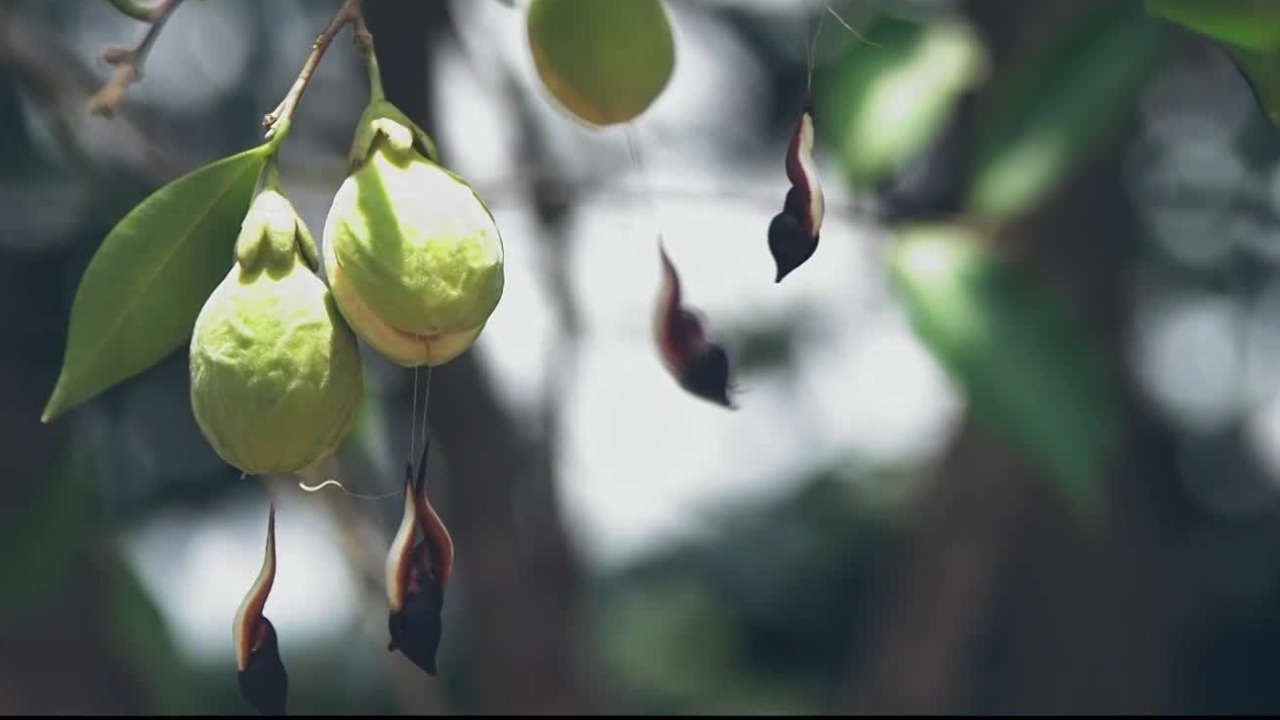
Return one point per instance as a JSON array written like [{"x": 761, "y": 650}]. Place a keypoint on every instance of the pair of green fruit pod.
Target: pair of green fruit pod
[{"x": 415, "y": 267}]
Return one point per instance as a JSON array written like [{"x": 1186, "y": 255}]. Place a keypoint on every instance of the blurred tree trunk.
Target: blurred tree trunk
[
  {"x": 996, "y": 576},
  {"x": 521, "y": 582}
]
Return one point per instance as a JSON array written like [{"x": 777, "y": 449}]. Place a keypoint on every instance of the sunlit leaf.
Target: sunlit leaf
[
  {"x": 887, "y": 98},
  {"x": 140, "y": 295},
  {"x": 1059, "y": 105},
  {"x": 1248, "y": 24},
  {"x": 1029, "y": 371}
]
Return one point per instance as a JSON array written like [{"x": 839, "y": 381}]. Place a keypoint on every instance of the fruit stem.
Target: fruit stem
[
  {"x": 277, "y": 121},
  {"x": 364, "y": 41},
  {"x": 271, "y": 174}
]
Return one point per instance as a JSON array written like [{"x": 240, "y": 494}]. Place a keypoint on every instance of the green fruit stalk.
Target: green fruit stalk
[
  {"x": 412, "y": 254},
  {"x": 275, "y": 370}
]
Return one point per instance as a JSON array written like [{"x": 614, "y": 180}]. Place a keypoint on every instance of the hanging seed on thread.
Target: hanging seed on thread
[
  {"x": 260, "y": 671},
  {"x": 700, "y": 366},
  {"x": 793, "y": 233},
  {"x": 417, "y": 573}
]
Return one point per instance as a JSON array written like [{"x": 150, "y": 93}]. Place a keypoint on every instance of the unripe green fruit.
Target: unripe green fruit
[
  {"x": 606, "y": 61},
  {"x": 414, "y": 257},
  {"x": 275, "y": 370}
]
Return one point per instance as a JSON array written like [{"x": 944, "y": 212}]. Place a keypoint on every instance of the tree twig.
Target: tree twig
[
  {"x": 349, "y": 13},
  {"x": 60, "y": 85},
  {"x": 128, "y": 63}
]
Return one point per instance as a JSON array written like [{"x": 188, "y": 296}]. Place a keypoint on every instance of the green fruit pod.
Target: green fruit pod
[
  {"x": 275, "y": 370},
  {"x": 604, "y": 61},
  {"x": 413, "y": 256}
]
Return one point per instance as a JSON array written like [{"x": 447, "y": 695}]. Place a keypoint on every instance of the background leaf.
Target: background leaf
[
  {"x": 1054, "y": 109},
  {"x": 38, "y": 550},
  {"x": 140, "y": 295},
  {"x": 1028, "y": 370},
  {"x": 143, "y": 634},
  {"x": 886, "y": 99},
  {"x": 1247, "y": 30},
  {"x": 1262, "y": 71},
  {"x": 1249, "y": 24}
]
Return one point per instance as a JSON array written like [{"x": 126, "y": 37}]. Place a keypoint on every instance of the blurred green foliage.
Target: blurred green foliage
[
  {"x": 883, "y": 101},
  {"x": 42, "y": 539},
  {"x": 759, "y": 616},
  {"x": 1028, "y": 368},
  {"x": 769, "y": 611},
  {"x": 1050, "y": 112},
  {"x": 143, "y": 635}
]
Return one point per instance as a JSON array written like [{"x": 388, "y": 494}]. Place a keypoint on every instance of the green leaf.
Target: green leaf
[
  {"x": 1248, "y": 24},
  {"x": 1055, "y": 108},
  {"x": 1029, "y": 370},
  {"x": 140, "y": 295},
  {"x": 887, "y": 98}
]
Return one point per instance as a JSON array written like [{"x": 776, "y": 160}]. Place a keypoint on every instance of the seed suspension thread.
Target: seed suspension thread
[
  {"x": 413, "y": 443},
  {"x": 633, "y": 149}
]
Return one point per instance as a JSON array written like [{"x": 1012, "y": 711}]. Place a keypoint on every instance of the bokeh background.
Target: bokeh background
[{"x": 851, "y": 539}]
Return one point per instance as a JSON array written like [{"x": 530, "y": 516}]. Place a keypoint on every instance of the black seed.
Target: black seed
[
  {"x": 264, "y": 683},
  {"x": 789, "y": 244},
  {"x": 416, "y": 630},
  {"x": 707, "y": 375}
]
